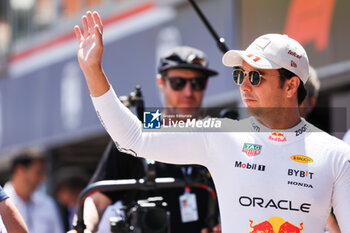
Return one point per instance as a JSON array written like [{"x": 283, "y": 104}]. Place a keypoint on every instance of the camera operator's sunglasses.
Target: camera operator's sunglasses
[
  {"x": 178, "y": 83},
  {"x": 254, "y": 76}
]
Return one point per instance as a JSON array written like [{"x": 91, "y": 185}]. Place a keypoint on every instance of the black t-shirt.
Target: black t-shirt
[{"x": 116, "y": 165}]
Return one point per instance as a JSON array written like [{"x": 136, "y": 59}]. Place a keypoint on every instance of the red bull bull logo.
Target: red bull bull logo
[
  {"x": 275, "y": 225},
  {"x": 263, "y": 227},
  {"x": 277, "y": 137}
]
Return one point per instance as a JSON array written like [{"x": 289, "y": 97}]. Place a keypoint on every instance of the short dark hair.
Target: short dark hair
[
  {"x": 74, "y": 184},
  {"x": 26, "y": 158},
  {"x": 285, "y": 75},
  {"x": 73, "y": 178}
]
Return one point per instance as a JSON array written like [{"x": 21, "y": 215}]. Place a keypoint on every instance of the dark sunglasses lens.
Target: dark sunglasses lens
[
  {"x": 254, "y": 78},
  {"x": 198, "y": 84},
  {"x": 238, "y": 76},
  {"x": 177, "y": 83}
]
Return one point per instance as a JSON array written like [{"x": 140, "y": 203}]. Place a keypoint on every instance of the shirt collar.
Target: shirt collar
[{"x": 281, "y": 136}]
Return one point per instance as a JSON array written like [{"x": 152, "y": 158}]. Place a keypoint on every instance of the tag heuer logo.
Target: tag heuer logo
[{"x": 251, "y": 149}]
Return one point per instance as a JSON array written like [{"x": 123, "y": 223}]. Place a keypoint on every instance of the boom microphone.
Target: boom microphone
[{"x": 219, "y": 40}]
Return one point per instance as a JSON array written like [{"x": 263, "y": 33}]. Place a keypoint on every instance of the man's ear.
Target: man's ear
[{"x": 292, "y": 86}]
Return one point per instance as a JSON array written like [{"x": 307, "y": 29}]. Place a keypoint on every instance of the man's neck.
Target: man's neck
[
  {"x": 280, "y": 119},
  {"x": 21, "y": 190}
]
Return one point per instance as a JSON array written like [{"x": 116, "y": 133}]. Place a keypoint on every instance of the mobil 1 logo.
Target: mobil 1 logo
[{"x": 249, "y": 166}]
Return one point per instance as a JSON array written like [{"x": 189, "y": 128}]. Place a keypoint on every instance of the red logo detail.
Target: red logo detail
[
  {"x": 256, "y": 58},
  {"x": 293, "y": 64},
  {"x": 277, "y": 134},
  {"x": 277, "y": 137},
  {"x": 275, "y": 225},
  {"x": 264, "y": 226},
  {"x": 288, "y": 227},
  {"x": 310, "y": 21},
  {"x": 290, "y": 52}
]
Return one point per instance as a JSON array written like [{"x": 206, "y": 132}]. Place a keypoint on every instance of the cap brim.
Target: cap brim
[
  {"x": 207, "y": 72},
  {"x": 236, "y": 57}
]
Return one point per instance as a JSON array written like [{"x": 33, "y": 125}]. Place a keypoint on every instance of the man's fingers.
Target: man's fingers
[
  {"x": 78, "y": 34},
  {"x": 85, "y": 25},
  {"x": 98, "y": 20},
  {"x": 90, "y": 20},
  {"x": 98, "y": 32}
]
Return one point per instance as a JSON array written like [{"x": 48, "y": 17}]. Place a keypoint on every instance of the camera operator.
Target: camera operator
[{"x": 182, "y": 78}]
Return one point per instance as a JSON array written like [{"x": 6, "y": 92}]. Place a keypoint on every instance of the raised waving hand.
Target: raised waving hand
[
  {"x": 90, "y": 53},
  {"x": 90, "y": 40}
]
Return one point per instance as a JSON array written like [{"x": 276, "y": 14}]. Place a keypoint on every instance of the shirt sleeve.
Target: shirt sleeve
[
  {"x": 341, "y": 200},
  {"x": 126, "y": 131},
  {"x": 3, "y": 194}
]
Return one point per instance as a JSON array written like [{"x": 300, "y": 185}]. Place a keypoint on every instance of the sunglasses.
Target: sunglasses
[
  {"x": 178, "y": 83},
  {"x": 254, "y": 76}
]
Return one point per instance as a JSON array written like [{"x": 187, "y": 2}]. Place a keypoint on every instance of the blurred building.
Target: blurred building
[{"x": 43, "y": 97}]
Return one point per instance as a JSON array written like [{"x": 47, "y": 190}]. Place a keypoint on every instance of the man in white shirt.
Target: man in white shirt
[
  {"x": 275, "y": 172},
  {"x": 37, "y": 209}
]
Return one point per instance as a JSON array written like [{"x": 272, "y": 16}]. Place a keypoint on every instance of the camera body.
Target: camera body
[{"x": 145, "y": 216}]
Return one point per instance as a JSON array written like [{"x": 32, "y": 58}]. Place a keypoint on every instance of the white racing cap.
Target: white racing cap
[{"x": 272, "y": 51}]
